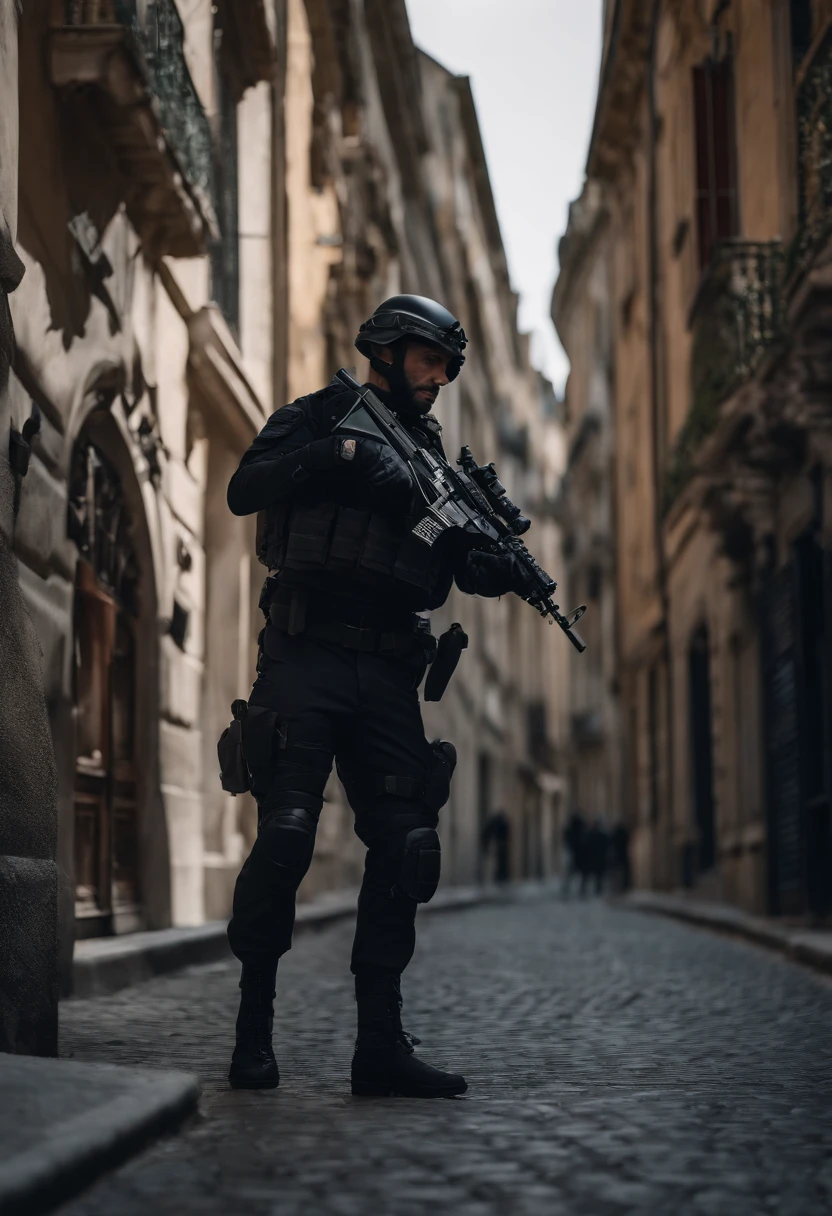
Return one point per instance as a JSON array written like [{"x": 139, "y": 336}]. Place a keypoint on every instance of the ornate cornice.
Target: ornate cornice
[{"x": 623, "y": 79}]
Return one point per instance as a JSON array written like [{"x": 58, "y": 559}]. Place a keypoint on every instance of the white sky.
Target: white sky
[{"x": 534, "y": 72}]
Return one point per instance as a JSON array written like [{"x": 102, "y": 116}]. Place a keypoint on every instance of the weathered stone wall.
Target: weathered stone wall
[
  {"x": 143, "y": 364},
  {"x": 581, "y": 310},
  {"x": 28, "y": 818},
  {"x": 714, "y": 484}
]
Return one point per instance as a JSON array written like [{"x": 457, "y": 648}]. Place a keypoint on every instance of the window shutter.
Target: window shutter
[{"x": 716, "y": 190}]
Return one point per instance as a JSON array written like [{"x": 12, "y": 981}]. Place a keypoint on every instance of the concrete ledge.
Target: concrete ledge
[
  {"x": 107, "y": 964},
  {"x": 65, "y": 1123},
  {"x": 808, "y": 946}
]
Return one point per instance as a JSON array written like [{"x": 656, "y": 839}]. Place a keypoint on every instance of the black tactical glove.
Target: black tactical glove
[
  {"x": 491, "y": 574},
  {"x": 386, "y": 476},
  {"x": 374, "y": 467}
]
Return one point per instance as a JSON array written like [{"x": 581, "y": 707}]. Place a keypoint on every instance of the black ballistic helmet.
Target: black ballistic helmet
[{"x": 413, "y": 317}]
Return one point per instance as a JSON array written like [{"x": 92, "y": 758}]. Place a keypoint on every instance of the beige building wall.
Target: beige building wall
[
  {"x": 120, "y": 344},
  {"x": 359, "y": 173},
  {"x": 717, "y": 443},
  {"x": 582, "y": 312}
]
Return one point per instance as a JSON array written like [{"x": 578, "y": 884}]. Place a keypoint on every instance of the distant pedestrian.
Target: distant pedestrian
[
  {"x": 597, "y": 849},
  {"x": 575, "y": 840},
  {"x": 497, "y": 830},
  {"x": 620, "y": 849}
]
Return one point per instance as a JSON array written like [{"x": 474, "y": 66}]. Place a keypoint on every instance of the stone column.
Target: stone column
[{"x": 28, "y": 788}]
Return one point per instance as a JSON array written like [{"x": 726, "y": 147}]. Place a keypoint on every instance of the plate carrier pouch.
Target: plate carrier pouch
[{"x": 307, "y": 536}]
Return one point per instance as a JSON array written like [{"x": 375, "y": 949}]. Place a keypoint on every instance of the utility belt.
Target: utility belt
[
  {"x": 398, "y": 643},
  {"x": 287, "y": 609}
]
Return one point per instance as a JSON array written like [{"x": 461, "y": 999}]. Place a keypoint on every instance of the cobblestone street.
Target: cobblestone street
[{"x": 616, "y": 1063}]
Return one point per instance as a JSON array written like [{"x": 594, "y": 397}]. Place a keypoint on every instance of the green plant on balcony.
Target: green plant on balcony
[{"x": 736, "y": 317}]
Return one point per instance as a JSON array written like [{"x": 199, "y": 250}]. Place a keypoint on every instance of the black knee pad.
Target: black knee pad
[
  {"x": 284, "y": 846},
  {"x": 421, "y": 864}
]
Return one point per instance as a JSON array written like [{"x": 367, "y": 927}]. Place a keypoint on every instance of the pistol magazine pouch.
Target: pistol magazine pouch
[
  {"x": 234, "y": 774},
  {"x": 451, "y": 645}
]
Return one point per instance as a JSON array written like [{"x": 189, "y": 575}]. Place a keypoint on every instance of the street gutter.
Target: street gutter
[
  {"x": 812, "y": 947},
  {"x": 65, "y": 1123}
]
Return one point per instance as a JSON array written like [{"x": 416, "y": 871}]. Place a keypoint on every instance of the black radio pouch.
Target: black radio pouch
[
  {"x": 234, "y": 773},
  {"x": 451, "y": 645}
]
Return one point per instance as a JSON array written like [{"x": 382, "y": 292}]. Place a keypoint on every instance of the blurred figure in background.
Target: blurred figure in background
[
  {"x": 575, "y": 839},
  {"x": 597, "y": 850},
  {"x": 497, "y": 830},
  {"x": 620, "y": 849}
]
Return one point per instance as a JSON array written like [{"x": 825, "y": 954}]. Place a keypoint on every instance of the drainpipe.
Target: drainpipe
[{"x": 658, "y": 454}]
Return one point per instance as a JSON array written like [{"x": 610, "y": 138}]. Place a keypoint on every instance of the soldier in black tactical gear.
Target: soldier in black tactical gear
[{"x": 342, "y": 656}]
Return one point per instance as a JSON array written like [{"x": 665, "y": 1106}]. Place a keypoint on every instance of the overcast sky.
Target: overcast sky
[{"x": 534, "y": 71}]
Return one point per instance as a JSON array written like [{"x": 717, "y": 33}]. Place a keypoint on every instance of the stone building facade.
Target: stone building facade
[
  {"x": 388, "y": 191},
  {"x": 213, "y": 197},
  {"x": 711, "y": 153},
  {"x": 145, "y": 344},
  {"x": 28, "y": 796},
  {"x": 581, "y": 311}
]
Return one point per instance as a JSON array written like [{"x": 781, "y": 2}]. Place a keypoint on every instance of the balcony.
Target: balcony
[
  {"x": 736, "y": 317},
  {"x": 121, "y": 65},
  {"x": 247, "y": 43},
  {"x": 813, "y": 103}
]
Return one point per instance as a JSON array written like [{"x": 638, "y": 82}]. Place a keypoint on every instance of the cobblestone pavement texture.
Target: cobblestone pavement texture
[{"x": 617, "y": 1063}]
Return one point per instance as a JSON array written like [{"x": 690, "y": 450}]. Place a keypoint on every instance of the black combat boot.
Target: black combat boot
[
  {"x": 253, "y": 1065},
  {"x": 384, "y": 1062}
]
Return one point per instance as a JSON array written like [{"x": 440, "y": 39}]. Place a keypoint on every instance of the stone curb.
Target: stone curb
[
  {"x": 74, "y": 1152},
  {"x": 105, "y": 965},
  {"x": 812, "y": 947}
]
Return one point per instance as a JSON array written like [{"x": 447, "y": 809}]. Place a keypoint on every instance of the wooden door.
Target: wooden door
[{"x": 107, "y": 895}]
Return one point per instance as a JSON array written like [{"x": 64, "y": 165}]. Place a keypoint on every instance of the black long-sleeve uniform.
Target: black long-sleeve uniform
[{"x": 350, "y": 696}]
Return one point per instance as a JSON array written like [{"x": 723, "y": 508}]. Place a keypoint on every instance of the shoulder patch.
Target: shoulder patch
[{"x": 284, "y": 421}]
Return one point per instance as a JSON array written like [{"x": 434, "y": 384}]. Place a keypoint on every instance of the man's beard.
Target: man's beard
[{"x": 410, "y": 403}]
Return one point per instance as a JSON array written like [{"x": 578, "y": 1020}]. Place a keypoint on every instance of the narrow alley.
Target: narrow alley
[{"x": 616, "y": 1063}]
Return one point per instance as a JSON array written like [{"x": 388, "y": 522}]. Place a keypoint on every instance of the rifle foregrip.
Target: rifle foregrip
[{"x": 576, "y": 640}]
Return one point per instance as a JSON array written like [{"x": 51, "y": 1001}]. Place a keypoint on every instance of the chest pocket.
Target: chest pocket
[{"x": 310, "y": 532}]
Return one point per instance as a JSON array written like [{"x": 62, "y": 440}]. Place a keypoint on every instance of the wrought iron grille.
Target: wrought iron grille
[
  {"x": 736, "y": 317},
  {"x": 159, "y": 34},
  {"x": 814, "y": 165}
]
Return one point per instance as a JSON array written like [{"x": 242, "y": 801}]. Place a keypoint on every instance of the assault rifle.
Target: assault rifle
[{"x": 472, "y": 499}]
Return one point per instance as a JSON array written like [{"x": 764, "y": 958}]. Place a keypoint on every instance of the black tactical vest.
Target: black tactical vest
[
  {"x": 305, "y": 536},
  {"x": 325, "y": 536}
]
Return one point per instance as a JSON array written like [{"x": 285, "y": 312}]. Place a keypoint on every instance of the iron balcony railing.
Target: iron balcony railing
[
  {"x": 158, "y": 32},
  {"x": 814, "y": 162},
  {"x": 736, "y": 317}
]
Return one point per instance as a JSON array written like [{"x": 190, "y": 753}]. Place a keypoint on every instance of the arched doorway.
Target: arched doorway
[
  {"x": 106, "y": 836},
  {"x": 701, "y": 747}
]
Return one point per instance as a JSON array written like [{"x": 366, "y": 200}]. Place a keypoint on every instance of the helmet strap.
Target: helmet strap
[{"x": 394, "y": 374}]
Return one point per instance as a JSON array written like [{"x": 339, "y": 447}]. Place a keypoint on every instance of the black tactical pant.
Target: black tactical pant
[{"x": 313, "y": 701}]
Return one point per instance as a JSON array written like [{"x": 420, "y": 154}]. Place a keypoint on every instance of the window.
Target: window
[
  {"x": 225, "y": 254},
  {"x": 716, "y": 191},
  {"x": 801, "y": 23}
]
